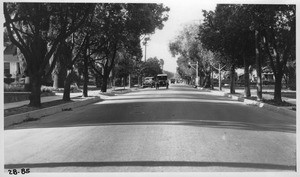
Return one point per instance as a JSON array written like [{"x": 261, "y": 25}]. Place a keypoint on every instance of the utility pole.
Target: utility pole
[
  {"x": 220, "y": 84},
  {"x": 145, "y": 42},
  {"x": 197, "y": 75}
]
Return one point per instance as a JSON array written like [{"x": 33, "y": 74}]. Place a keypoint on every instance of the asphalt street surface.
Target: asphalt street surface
[{"x": 181, "y": 129}]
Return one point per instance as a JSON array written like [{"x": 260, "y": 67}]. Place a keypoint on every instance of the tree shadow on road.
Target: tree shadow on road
[
  {"x": 195, "y": 123},
  {"x": 185, "y": 110}
]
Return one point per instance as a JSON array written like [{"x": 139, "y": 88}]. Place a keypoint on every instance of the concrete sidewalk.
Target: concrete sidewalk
[
  {"x": 78, "y": 101},
  {"x": 265, "y": 94},
  {"x": 239, "y": 95},
  {"x": 59, "y": 96}
]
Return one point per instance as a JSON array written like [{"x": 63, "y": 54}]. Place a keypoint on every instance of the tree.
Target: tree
[
  {"x": 248, "y": 31},
  {"x": 276, "y": 25},
  {"x": 124, "y": 66},
  {"x": 170, "y": 74},
  {"x": 226, "y": 31},
  {"x": 190, "y": 49},
  {"x": 72, "y": 56},
  {"x": 290, "y": 75},
  {"x": 151, "y": 67},
  {"x": 121, "y": 26},
  {"x": 37, "y": 29},
  {"x": 183, "y": 70}
]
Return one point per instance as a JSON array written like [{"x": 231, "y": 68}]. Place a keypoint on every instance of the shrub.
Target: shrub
[
  {"x": 47, "y": 89},
  {"x": 9, "y": 80},
  {"x": 16, "y": 87},
  {"x": 74, "y": 88},
  {"x": 8, "y": 75}
]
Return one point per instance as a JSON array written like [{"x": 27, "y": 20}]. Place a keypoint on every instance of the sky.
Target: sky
[{"x": 181, "y": 13}]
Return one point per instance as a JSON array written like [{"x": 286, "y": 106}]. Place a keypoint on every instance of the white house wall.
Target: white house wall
[
  {"x": 12, "y": 60},
  {"x": 13, "y": 69}
]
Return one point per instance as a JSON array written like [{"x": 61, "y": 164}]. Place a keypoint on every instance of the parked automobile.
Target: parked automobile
[
  {"x": 162, "y": 81},
  {"x": 149, "y": 82}
]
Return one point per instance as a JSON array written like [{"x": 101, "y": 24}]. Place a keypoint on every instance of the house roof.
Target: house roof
[{"x": 10, "y": 50}]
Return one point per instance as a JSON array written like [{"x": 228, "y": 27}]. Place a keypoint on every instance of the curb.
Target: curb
[
  {"x": 254, "y": 103},
  {"x": 18, "y": 118},
  {"x": 117, "y": 92}
]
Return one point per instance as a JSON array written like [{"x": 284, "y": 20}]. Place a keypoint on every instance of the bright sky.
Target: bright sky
[{"x": 181, "y": 13}]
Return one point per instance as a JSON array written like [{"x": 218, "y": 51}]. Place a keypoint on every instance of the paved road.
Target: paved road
[{"x": 176, "y": 130}]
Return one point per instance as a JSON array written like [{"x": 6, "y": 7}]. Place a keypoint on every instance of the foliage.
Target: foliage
[
  {"x": 231, "y": 30},
  {"x": 276, "y": 27},
  {"x": 226, "y": 32},
  {"x": 190, "y": 50},
  {"x": 117, "y": 28},
  {"x": 46, "y": 89},
  {"x": 151, "y": 67},
  {"x": 170, "y": 74},
  {"x": 40, "y": 27},
  {"x": 14, "y": 87},
  {"x": 124, "y": 65},
  {"x": 183, "y": 70},
  {"x": 9, "y": 80},
  {"x": 37, "y": 29}
]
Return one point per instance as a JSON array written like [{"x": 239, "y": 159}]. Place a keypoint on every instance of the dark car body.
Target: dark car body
[
  {"x": 162, "y": 81},
  {"x": 149, "y": 82}
]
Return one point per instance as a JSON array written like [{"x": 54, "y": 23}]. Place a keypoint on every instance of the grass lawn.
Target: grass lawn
[
  {"x": 27, "y": 108},
  {"x": 284, "y": 94}
]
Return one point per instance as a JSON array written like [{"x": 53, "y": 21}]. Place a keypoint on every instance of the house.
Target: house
[
  {"x": 267, "y": 75},
  {"x": 11, "y": 60}
]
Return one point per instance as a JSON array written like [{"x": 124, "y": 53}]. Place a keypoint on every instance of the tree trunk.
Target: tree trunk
[
  {"x": 207, "y": 79},
  {"x": 139, "y": 81},
  {"x": 86, "y": 78},
  {"x": 62, "y": 77},
  {"x": 27, "y": 84},
  {"x": 59, "y": 77},
  {"x": 55, "y": 80},
  {"x": 292, "y": 80},
  {"x": 125, "y": 81},
  {"x": 246, "y": 78},
  {"x": 290, "y": 76},
  {"x": 232, "y": 79},
  {"x": 278, "y": 85},
  {"x": 104, "y": 85},
  {"x": 258, "y": 67},
  {"x": 67, "y": 86},
  {"x": 201, "y": 81},
  {"x": 220, "y": 78},
  {"x": 98, "y": 80},
  {"x": 206, "y": 82},
  {"x": 211, "y": 79},
  {"x": 105, "y": 81},
  {"x": 129, "y": 81},
  {"x": 35, "y": 95}
]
